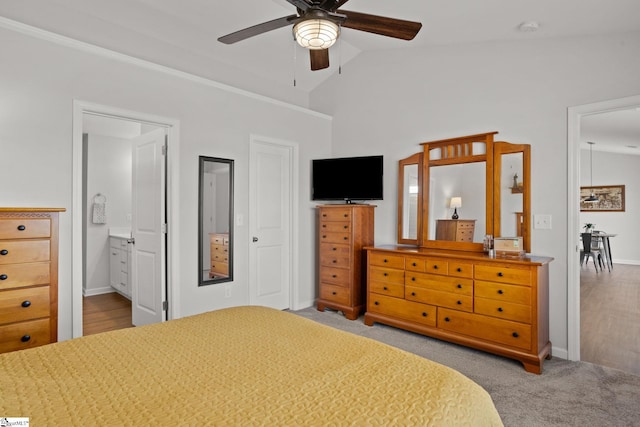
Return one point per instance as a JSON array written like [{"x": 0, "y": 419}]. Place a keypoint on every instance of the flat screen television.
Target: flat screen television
[{"x": 347, "y": 178}]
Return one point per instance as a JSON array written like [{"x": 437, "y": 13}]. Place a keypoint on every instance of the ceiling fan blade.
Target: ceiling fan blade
[
  {"x": 258, "y": 29},
  {"x": 390, "y": 27},
  {"x": 319, "y": 59}
]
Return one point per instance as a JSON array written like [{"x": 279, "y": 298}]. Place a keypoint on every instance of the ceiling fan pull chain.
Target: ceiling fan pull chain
[
  {"x": 340, "y": 55},
  {"x": 295, "y": 61}
]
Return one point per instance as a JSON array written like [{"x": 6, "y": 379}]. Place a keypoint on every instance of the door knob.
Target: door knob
[{"x": 255, "y": 239}]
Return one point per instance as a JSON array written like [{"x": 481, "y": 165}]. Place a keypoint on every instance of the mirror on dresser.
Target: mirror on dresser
[
  {"x": 466, "y": 190},
  {"x": 215, "y": 221},
  {"x": 409, "y": 199},
  {"x": 512, "y": 191}
]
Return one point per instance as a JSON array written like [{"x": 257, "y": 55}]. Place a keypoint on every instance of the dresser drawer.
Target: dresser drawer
[
  {"x": 386, "y": 288},
  {"x": 331, "y": 237},
  {"x": 335, "y": 214},
  {"x": 335, "y": 255},
  {"x": 386, "y": 260},
  {"x": 219, "y": 239},
  {"x": 503, "y": 309},
  {"x": 16, "y": 251},
  {"x": 336, "y": 294},
  {"x": 440, "y": 299},
  {"x": 221, "y": 257},
  {"x": 219, "y": 268},
  {"x": 336, "y": 276},
  {"x": 23, "y": 304},
  {"x": 335, "y": 227},
  {"x": 388, "y": 275},
  {"x": 503, "y": 292},
  {"x": 22, "y": 335},
  {"x": 25, "y": 228},
  {"x": 501, "y": 331},
  {"x": 440, "y": 283},
  {"x": 502, "y": 274},
  {"x": 424, "y": 314},
  {"x": 416, "y": 264},
  {"x": 20, "y": 275},
  {"x": 219, "y": 249},
  {"x": 461, "y": 269},
  {"x": 437, "y": 266}
]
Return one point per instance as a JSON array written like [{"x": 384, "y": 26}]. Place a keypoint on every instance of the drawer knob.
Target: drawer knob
[
  {"x": 413, "y": 294},
  {"x": 346, "y": 226},
  {"x": 334, "y": 249},
  {"x": 324, "y": 236},
  {"x": 25, "y": 338},
  {"x": 459, "y": 302},
  {"x": 385, "y": 274},
  {"x": 424, "y": 314},
  {"x": 376, "y": 303},
  {"x": 414, "y": 264},
  {"x": 435, "y": 267},
  {"x": 459, "y": 270},
  {"x": 334, "y": 261},
  {"x": 413, "y": 279},
  {"x": 500, "y": 274},
  {"x": 324, "y": 225},
  {"x": 22, "y": 227},
  {"x": 26, "y": 303},
  {"x": 334, "y": 276},
  {"x": 385, "y": 288},
  {"x": 385, "y": 260},
  {"x": 345, "y": 238},
  {"x": 346, "y": 215},
  {"x": 500, "y": 291},
  {"x": 446, "y": 319},
  {"x": 459, "y": 286},
  {"x": 515, "y": 335},
  {"x": 500, "y": 309},
  {"x": 334, "y": 292},
  {"x": 3, "y": 277},
  {"x": 4, "y": 252}
]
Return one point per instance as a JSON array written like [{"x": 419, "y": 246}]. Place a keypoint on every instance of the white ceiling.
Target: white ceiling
[{"x": 183, "y": 34}]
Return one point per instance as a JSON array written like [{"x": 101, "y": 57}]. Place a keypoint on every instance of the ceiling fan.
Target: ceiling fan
[{"x": 317, "y": 25}]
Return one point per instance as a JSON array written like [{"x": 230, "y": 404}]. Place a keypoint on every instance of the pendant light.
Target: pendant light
[{"x": 592, "y": 198}]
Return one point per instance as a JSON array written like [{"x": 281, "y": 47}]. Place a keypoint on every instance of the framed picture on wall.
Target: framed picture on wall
[{"x": 610, "y": 198}]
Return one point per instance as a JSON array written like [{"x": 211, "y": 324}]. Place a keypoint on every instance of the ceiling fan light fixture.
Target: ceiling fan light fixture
[{"x": 316, "y": 33}]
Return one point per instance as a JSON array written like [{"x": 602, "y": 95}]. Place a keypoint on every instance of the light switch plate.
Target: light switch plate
[{"x": 542, "y": 221}]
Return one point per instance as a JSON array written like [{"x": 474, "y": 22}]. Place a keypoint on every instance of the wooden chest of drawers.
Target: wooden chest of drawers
[
  {"x": 28, "y": 277},
  {"x": 219, "y": 243},
  {"x": 455, "y": 230},
  {"x": 343, "y": 230},
  {"x": 492, "y": 304}
]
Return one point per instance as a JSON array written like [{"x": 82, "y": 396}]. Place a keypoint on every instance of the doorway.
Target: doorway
[
  {"x": 121, "y": 206},
  {"x": 575, "y": 117}
]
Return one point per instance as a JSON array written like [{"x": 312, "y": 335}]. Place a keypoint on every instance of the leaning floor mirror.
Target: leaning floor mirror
[{"x": 215, "y": 220}]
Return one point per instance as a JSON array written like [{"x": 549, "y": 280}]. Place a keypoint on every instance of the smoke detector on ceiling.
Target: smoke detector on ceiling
[{"x": 529, "y": 27}]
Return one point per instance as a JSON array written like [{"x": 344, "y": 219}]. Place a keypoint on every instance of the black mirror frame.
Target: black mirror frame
[{"x": 201, "y": 243}]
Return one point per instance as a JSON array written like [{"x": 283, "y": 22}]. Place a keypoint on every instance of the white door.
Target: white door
[
  {"x": 148, "y": 281},
  {"x": 270, "y": 218}
]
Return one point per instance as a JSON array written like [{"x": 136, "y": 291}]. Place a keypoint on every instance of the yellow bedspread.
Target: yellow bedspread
[{"x": 240, "y": 366}]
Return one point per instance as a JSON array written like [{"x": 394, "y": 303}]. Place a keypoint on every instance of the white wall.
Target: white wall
[
  {"x": 39, "y": 81},
  {"x": 108, "y": 173},
  {"x": 388, "y": 102},
  {"x": 615, "y": 169}
]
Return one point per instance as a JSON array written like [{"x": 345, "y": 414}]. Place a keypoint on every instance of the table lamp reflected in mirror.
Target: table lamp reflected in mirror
[{"x": 455, "y": 203}]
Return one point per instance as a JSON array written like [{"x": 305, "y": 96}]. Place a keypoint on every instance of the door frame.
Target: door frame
[
  {"x": 294, "y": 241},
  {"x": 172, "y": 203},
  {"x": 574, "y": 116}
]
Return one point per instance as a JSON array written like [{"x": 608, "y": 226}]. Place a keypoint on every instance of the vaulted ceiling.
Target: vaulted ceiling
[{"x": 182, "y": 34}]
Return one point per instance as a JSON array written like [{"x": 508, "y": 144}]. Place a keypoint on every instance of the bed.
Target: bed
[{"x": 238, "y": 366}]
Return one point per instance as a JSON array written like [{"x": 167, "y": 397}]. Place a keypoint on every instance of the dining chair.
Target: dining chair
[{"x": 588, "y": 250}]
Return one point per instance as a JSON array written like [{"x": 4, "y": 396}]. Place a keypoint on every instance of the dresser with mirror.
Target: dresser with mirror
[{"x": 447, "y": 283}]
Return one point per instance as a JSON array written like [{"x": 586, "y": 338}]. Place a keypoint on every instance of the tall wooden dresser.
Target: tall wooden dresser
[
  {"x": 28, "y": 277},
  {"x": 219, "y": 244},
  {"x": 343, "y": 231},
  {"x": 499, "y": 305}
]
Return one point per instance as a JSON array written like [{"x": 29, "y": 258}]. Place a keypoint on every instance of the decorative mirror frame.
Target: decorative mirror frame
[
  {"x": 415, "y": 159},
  {"x": 460, "y": 150},
  {"x": 203, "y": 160}
]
